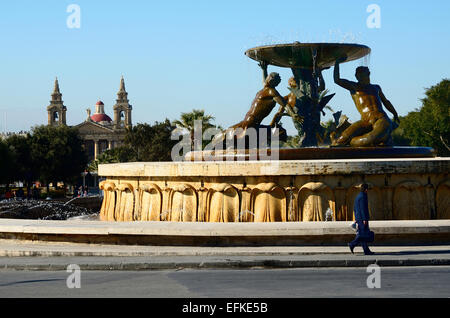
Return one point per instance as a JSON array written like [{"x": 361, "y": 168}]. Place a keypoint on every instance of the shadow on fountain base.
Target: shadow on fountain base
[{"x": 312, "y": 153}]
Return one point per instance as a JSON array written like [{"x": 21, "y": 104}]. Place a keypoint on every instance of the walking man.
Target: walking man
[{"x": 361, "y": 208}]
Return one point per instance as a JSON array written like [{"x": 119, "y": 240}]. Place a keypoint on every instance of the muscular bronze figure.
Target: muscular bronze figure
[
  {"x": 290, "y": 100},
  {"x": 375, "y": 127},
  {"x": 263, "y": 103}
]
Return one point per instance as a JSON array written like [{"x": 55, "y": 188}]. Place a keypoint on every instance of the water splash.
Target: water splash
[
  {"x": 365, "y": 61},
  {"x": 329, "y": 215},
  {"x": 291, "y": 213},
  {"x": 338, "y": 36},
  {"x": 163, "y": 214},
  {"x": 44, "y": 210},
  {"x": 242, "y": 213}
]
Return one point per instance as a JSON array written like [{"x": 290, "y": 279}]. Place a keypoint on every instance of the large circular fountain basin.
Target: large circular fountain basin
[{"x": 301, "y": 55}]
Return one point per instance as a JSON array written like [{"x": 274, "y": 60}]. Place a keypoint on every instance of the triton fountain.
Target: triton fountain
[{"x": 295, "y": 185}]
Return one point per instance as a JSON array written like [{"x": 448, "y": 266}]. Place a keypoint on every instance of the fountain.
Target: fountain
[
  {"x": 289, "y": 185},
  {"x": 44, "y": 210}
]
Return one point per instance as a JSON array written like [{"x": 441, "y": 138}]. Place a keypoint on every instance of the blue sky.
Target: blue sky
[{"x": 180, "y": 55}]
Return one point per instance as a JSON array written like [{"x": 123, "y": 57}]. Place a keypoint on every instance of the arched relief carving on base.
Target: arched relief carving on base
[
  {"x": 125, "y": 202},
  {"x": 342, "y": 211},
  {"x": 103, "y": 211},
  {"x": 137, "y": 204},
  {"x": 387, "y": 193},
  {"x": 150, "y": 202},
  {"x": 165, "y": 213},
  {"x": 431, "y": 202},
  {"x": 223, "y": 203},
  {"x": 109, "y": 201},
  {"x": 245, "y": 212},
  {"x": 112, "y": 201},
  {"x": 268, "y": 203},
  {"x": 202, "y": 214},
  {"x": 443, "y": 200},
  {"x": 410, "y": 202},
  {"x": 315, "y": 198},
  {"x": 375, "y": 197},
  {"x": 292, "y": 204},
  {"x": 272, "y": 199},
  {"x": 183, "y": 203}
]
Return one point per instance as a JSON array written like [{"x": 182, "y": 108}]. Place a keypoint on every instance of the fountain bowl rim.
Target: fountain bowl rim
[{"x": 365, "y": 50}]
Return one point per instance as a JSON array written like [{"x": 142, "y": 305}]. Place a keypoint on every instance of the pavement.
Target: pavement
[
  {"x": 56, "y": 244},
  {"x": 25, "y": 255},
  {"x": 223, "y": 234}
]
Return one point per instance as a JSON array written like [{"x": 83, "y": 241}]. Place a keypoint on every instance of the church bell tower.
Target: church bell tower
[
  {"x": 56, "y": 110},
  {"x": 122, "y": 108}
]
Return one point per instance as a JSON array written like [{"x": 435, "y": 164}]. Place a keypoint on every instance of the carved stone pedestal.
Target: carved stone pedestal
[{"x": 274, "y": 191}]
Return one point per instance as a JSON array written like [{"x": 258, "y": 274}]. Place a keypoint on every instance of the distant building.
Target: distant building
[
  {"x": 12, "y": 133},
  {"x": 99, "y": 132}
]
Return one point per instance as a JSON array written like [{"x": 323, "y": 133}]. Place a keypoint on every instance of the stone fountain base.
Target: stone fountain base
[
  {"x": 275, "y": 191},
  {"x": 19, "y": 233}
]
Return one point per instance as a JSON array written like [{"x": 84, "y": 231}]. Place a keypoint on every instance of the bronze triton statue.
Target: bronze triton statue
[
  {"x": 262, "y": 105},
  {"x": 375, "y": 127},
  {"x": 264, "y": 102}
]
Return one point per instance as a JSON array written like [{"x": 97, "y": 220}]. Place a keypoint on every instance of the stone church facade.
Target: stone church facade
[{"x": 99, "y": 132}]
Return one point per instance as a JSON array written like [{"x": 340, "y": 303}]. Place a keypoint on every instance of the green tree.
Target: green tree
[
  {"x": 115, "y": 155},
  {"x": 6, "y": 162},
  {"x": 187, "y": 122},
  {"x": 150, "y": 143},
  {"x": 143, "y": 142},
  {"x": 430, "y": 125},
  {"x": 58, "y": 153},
  {"x": 24, "y": 169},
  {"x": 398, "y": 136}
]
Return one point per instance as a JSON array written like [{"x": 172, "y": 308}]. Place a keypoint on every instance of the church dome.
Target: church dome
[{"x": 100, "y": 117}]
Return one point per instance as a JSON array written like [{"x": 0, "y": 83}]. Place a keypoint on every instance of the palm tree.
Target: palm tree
[{"x": 187, "y": 122}]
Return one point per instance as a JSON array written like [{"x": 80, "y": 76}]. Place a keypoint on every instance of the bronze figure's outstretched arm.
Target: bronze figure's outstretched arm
[
  {"x": 337, "y": 77},
  {"x": 284, "y": 107},
  {"x": 276, "y": 118},
  {"x": 263, "y": 65},
  {"x": 388, "y": 105}
]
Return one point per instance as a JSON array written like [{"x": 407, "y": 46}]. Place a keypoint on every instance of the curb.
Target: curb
[
  {"x": 231, "y": 264},
  {"x": 14, "y": 249}
]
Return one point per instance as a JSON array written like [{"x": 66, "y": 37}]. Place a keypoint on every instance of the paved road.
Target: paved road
[{"x": 307, "y": 282}]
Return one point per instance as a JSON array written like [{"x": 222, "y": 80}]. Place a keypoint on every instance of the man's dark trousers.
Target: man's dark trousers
[{"x": 363, "y": 230}]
